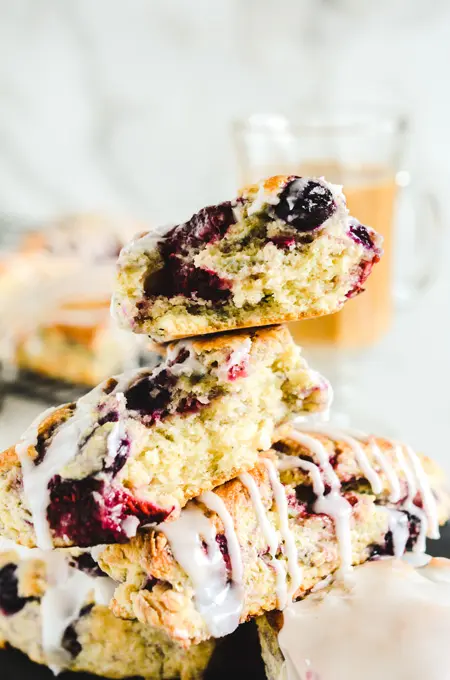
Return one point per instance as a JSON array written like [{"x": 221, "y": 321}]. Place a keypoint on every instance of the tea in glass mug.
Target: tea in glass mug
[{"x": 364, "y": 155}]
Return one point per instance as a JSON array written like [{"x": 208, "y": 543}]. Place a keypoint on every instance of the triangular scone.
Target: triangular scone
[
  {"x": 390, "y": 618},
  {"x": 284, "y": 250},
  {"x": 320, "y": 503},
  {"x": 53, "y": 607},
  {"x": 139, "y": 446}
]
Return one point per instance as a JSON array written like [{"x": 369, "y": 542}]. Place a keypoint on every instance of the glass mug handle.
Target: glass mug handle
[{"x": 418, "y": 242}]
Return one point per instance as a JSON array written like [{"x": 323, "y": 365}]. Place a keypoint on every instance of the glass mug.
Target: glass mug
[{"x": 364, "y": 152}]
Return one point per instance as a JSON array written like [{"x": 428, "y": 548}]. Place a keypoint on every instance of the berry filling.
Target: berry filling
[
  {"x": 207, "y": 226},
  {"x": 305, "y": 204},
  {"x": 284, "y": 242},
  {"x": 42, "y": 442},
  {"x": 120, "y": 458},
  {"x": 155, "y": 398},
  {"x": 361, "y": 235},
  {"x": 70, "y": 642},
  {"x": 222, "y": 542},
  {"x": 10, "y": 602},
  {"x": 70, "y": 638},
  {"x": 152, "y": 395},
  {"x": 238, "y": 370},
  {"x": 90, "y": 512},
  {"x": 364, "y": 270},
  {"x": 177, "y": 277},
  {"x": 86, "y": 563},
  {"x": 385, "y": 549}
]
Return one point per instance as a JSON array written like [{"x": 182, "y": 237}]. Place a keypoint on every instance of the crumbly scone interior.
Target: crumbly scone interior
[
  {"x": 149, "y": 441},
  {"x": 262, "y": 268},
  {"x": 203, "y": 443}
]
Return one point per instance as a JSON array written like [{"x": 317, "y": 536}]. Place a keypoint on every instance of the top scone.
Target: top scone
[{"x": 284, "y": 250}]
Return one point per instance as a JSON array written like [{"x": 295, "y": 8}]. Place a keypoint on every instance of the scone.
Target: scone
[
  {"x": 284, "y": 250},
  {"x": 61, "y": 280},
  {"x": 48, "y": 610},
  {"x": 139, "y": 446},
  {"x": 77, "y": 344},
  {"x": 316, "y": 504},
  {"x": 388, "y": 620}
]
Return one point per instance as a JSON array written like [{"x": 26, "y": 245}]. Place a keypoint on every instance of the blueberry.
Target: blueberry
[
  {"x": 305, "y": 204},
  {"x": 152, "y": 396},
  {"x": 86, "y": 563},
  {"x": 222, "y": 542},
  {"x": 177, "y": 277},
  {"x": 10, "y": 602},
  {"x": 382, "y": 549},
  {"x": 360, "y": 234},
  {"x": 207, "y": 226},
  {"x": 120, "y": 458},
  {"x": 70, "y": 642}
]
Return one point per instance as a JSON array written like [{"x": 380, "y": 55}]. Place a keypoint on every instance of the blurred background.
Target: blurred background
[{"x": 145, "y": 111}]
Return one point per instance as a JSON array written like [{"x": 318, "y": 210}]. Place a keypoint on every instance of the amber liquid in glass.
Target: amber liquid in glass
[{"x": 371, "y": 193}]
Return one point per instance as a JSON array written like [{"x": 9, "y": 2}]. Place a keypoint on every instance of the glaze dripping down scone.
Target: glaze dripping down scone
[
  {"x": 321, "y": 500},
  {"x": 83, "y": 635},
  {"x": 138, "y": 447},
  {"x": 284, "y": 250},
  {"x": 391, "y": 618}
]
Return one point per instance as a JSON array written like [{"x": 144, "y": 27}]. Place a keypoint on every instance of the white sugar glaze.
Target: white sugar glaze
[
  {"x": 294, "y": 570},
  {"x": 61, "y": 450},
  {"x": 65, "y": 443},
  {"x": 271, "y": 536},
  {"x": 190, "y": 365},
  {"x": 369, "y": 472},
  {"x": 332, "y": 504},
  {"x": 67, "y": 591},
  {"x": 388, "y": 620},
  {"x": 192, "y": 539},
  {"x": 410, "y": 465}
]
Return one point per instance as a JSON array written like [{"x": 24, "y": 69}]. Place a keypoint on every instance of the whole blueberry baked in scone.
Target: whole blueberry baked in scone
[
  {"x": 284, "y": 250},
  {"x": 319, "y": 502},
  {"x": 139, "y": 446},
  {"x": 53, "y": 607}
]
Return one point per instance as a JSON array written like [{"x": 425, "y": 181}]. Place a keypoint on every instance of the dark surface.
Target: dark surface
[{"x": 236, "y": 658}]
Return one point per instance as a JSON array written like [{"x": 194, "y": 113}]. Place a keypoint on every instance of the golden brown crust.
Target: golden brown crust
[
  {"x": 170, "y": 603},
  {"x": 271, "y": 185},
  {"x": 106, "y": 645},
  {"x": 172, "y": 459},
  {"x": 254, "y": 321}
]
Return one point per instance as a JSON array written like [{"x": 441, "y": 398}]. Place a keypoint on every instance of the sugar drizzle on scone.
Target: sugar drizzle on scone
[
  {"x": 307, "y": 507},
  {"x": 391, "y": 619},
  {"x": 139, "y": 446},
  {"x": 54, "y": 608},
  {"x": 284, "y": 250}
]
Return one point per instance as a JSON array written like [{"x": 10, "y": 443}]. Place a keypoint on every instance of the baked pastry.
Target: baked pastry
[
  {"x": 51, "y": 611},
  {"x": 317, "y": 503},
  {"x": 284, "y": 250},
  {"x": 61, "y": 278},
  {"x": 139, "y": 446},
  {"x": 78, "y": 344},
  {"x": 389, "y": 620}
]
